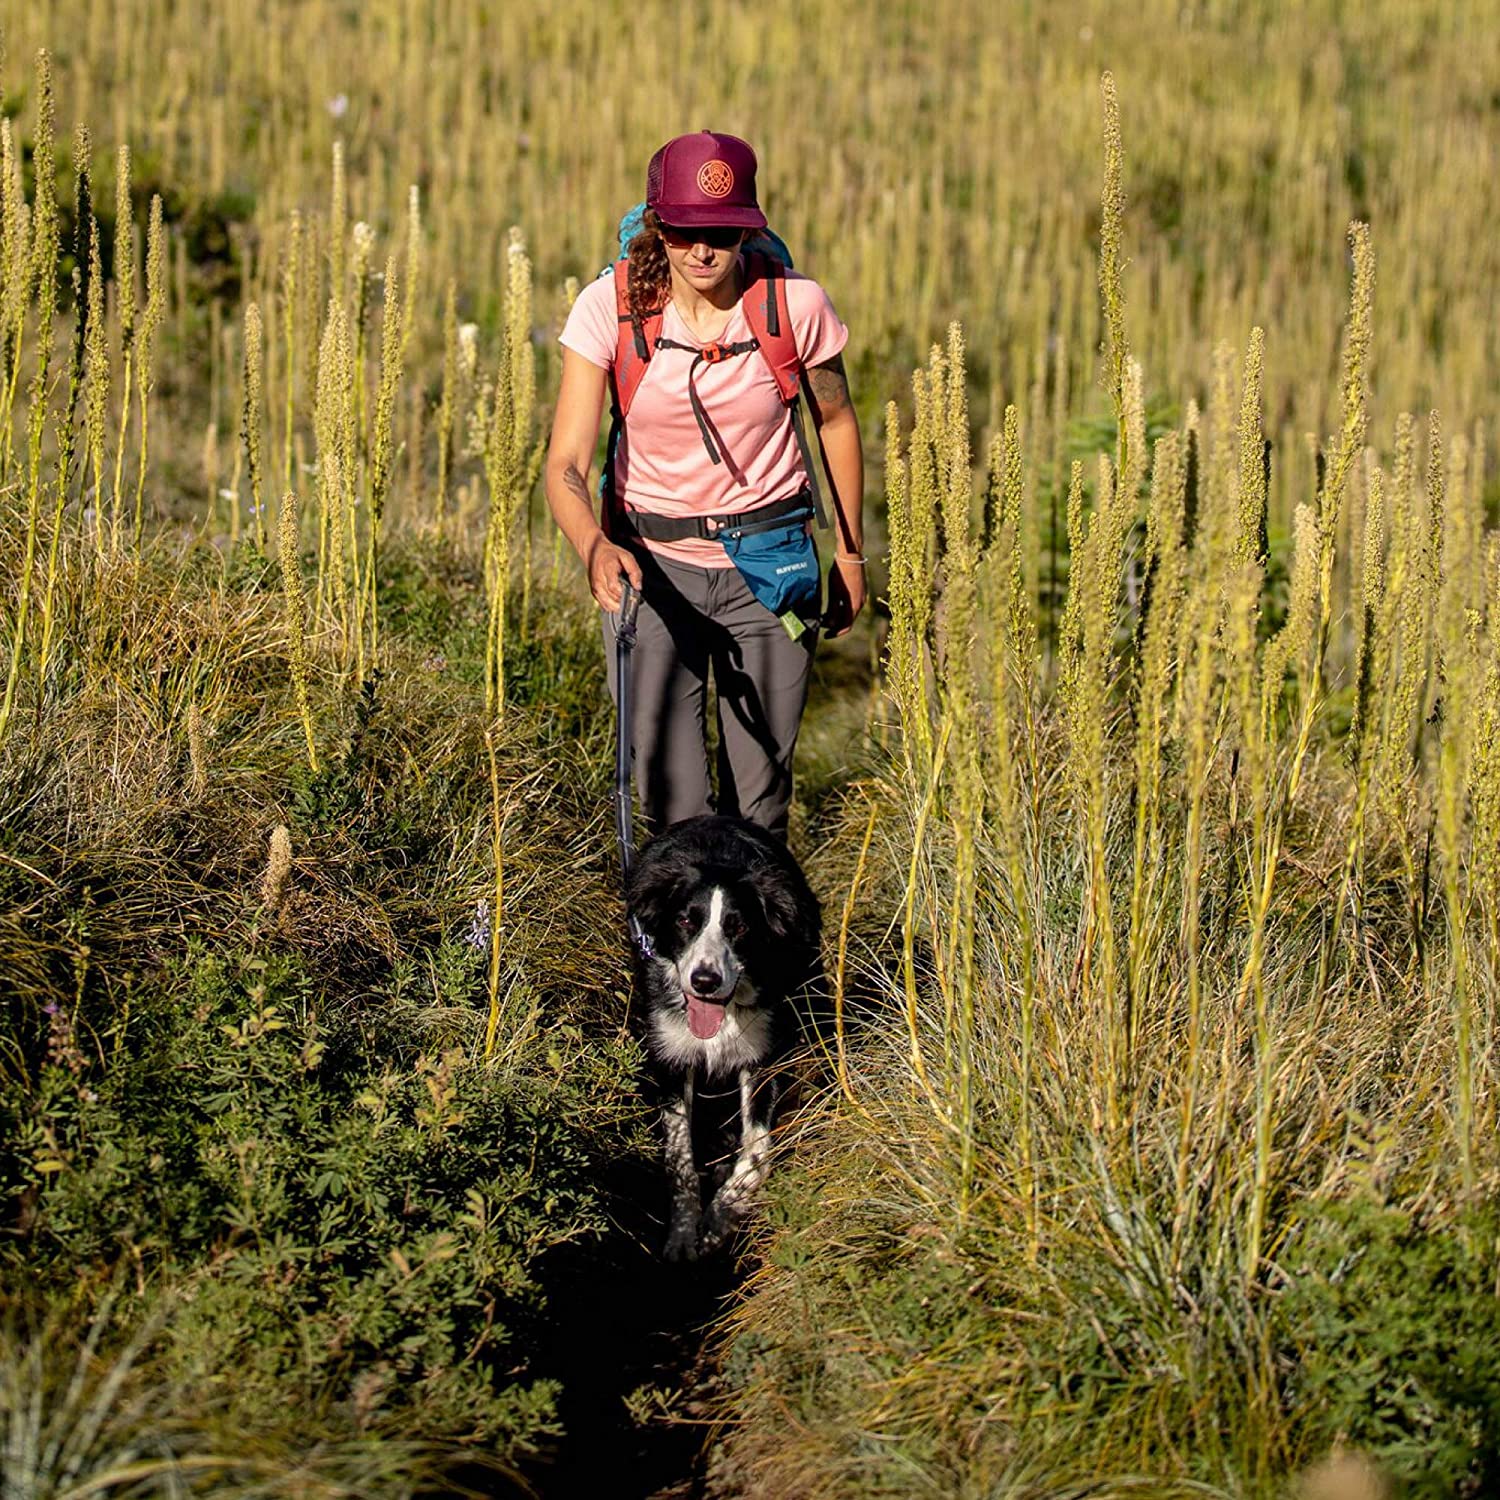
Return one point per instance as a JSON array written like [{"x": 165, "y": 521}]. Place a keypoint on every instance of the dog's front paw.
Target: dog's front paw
[
  {"x": 714, "y": 1232},
  {"x": 682, "y": 1242}
]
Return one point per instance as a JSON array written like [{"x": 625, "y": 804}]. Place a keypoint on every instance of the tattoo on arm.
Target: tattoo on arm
[
  {"x": 830, "y": 386},
  {"x": 577, "y": 485}
]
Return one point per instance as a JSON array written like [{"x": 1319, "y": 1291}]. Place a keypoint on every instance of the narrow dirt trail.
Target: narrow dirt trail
[
  {"x": 624, "y": 1319},
  {"x": 621, "y": 1319}
]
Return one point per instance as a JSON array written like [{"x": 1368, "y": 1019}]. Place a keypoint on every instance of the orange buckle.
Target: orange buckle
[{"x": 713, "y": 353}]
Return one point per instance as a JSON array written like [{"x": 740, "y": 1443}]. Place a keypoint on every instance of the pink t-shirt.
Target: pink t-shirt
[{"x": 661, "y": 463}]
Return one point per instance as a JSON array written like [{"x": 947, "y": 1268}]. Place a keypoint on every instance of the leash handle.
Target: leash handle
[{"x": 630, "y": 605}]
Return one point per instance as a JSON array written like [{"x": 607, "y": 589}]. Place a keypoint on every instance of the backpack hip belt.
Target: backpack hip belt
[{"x": 657, "y": 528}]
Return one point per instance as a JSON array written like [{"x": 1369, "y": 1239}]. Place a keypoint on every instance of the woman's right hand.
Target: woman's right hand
[{"x": 605, "y": 563}]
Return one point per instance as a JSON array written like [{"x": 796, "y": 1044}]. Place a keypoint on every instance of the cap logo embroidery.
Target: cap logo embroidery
[{"x": 715, "y": 179}]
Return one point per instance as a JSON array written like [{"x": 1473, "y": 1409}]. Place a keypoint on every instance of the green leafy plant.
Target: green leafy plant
[{"x": 1393, "y": 1324}]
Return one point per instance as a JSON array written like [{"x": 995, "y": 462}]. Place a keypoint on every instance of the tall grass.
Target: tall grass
[
  {"x": 1210, "y": 961},
  {"x": 190, "y": 723},
  {"x": 1286, "y": 126}
]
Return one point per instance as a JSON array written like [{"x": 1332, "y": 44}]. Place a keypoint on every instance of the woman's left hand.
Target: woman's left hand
[{"x": 846, "y": 597}]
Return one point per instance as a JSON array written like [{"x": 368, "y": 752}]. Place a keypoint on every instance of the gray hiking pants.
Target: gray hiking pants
[{"x": 692, "y": 619}]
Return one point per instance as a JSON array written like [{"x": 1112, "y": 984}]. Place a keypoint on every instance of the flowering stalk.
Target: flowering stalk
[
  {"x": 250, "y": 420},
  {"x": 43, "y": 273},
  {"x": 291, "y": 581},
  {"x": 156, "y": 304}
]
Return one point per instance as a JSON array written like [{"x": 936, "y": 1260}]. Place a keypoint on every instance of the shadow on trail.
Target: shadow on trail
[{"x": 622, "y": 1318}]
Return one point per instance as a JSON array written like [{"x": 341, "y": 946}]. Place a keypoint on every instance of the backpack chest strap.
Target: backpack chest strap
[{"x": 707, "y": 354}]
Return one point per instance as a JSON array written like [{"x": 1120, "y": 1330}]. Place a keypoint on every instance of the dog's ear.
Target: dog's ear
[
  {"x": 655, "y": 893},
  {"x": 789, "y": 911}
]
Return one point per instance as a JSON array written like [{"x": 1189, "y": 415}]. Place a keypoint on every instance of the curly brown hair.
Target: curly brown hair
[{"x": 650, "y": 273}]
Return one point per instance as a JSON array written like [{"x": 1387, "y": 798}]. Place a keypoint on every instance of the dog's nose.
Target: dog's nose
[{"x": 705, "y": 980}]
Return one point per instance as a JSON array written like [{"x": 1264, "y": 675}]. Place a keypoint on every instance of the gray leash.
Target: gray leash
[{"x": 630, "y": 603}]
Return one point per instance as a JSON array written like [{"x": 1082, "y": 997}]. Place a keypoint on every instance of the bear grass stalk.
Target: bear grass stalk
[
  {"x": 42, "y": 274},
  {"x": 291, "y": 256},
  {"x": 1165, "y": 565},
  {"x": 250, "y": 420},
  {"x": 150, "y": 326},
  {"x": 339, "y": 541},
  {"x": 1085, "y": 679},
  {"x": 1485, "y": 765},
  {"x": 1116, "y": 349},
  {"x": 1406, "y": 674},
  {"x": 296, "y": 607},
  {"x": 67, "y": 435},
  {"x": 446, "y": 406},
  {"x": 914, "y": 507},
  {"x": 360, "y": 275},
  {"x": 125, "y": 271},
  {"x": 383, "y": 443},
  {"x": 413, "y": 274},
  {"x": 311, "y": 295},
  {"x": 905, "y": 668},
  {"x": 15, "y": 284},
  {"x": 511, "y": 458},
  {"x": 96, "y": 376},
  {"x": 1011, "y": 637},
  {"x": 338, "y": 223},
  {"x": 1382, "y": 580},
  {"x": 959, "y": 695}
]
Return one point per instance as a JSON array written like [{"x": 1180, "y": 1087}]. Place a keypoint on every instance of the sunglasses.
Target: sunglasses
[{"x": 717, "y": 237}]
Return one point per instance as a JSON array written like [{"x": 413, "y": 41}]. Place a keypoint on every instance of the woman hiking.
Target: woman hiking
[{"x": 704, "y": 343}]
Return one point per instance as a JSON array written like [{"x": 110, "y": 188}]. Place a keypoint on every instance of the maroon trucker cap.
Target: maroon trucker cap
[{"x": 704, "y": 179}]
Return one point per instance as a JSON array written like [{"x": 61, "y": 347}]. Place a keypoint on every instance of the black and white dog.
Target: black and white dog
[{"x": 731, "y": 936}]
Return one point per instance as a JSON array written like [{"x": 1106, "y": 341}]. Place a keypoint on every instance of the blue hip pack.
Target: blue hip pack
[{"x": 779, "y": 562}]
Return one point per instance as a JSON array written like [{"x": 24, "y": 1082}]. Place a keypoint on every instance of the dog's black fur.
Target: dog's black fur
[{"x": 733, "y": 931}]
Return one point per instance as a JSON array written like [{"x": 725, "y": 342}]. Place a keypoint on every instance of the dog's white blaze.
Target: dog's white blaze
[{"x": 711, "y": 947}]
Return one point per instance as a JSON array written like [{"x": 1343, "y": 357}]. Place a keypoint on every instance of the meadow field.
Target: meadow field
[{"x": 1154, "y": 806}]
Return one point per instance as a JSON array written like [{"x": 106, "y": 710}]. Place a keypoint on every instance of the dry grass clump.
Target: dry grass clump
[{"x": 177, "y": 744}]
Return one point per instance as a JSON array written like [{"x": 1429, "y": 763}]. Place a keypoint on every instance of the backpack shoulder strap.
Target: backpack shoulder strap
[
  {"x": 634, "y": 341},
  {"x": 770, "y": 322}
]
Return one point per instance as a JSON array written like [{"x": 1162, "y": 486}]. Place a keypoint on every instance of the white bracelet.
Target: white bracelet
[{"x": 840, "y": 557}]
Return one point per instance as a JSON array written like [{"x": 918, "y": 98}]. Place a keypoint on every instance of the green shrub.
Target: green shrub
[
  {"x": 1394, "y": 1326},
  {"x": 357, "y": 1210}
]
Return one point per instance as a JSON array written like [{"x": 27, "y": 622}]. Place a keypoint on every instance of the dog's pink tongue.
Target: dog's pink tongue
[{"x": 704, "y": 1017}]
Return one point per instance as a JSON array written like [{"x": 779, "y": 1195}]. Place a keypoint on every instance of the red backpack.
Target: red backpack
[{"x": 765, "y": 305}]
